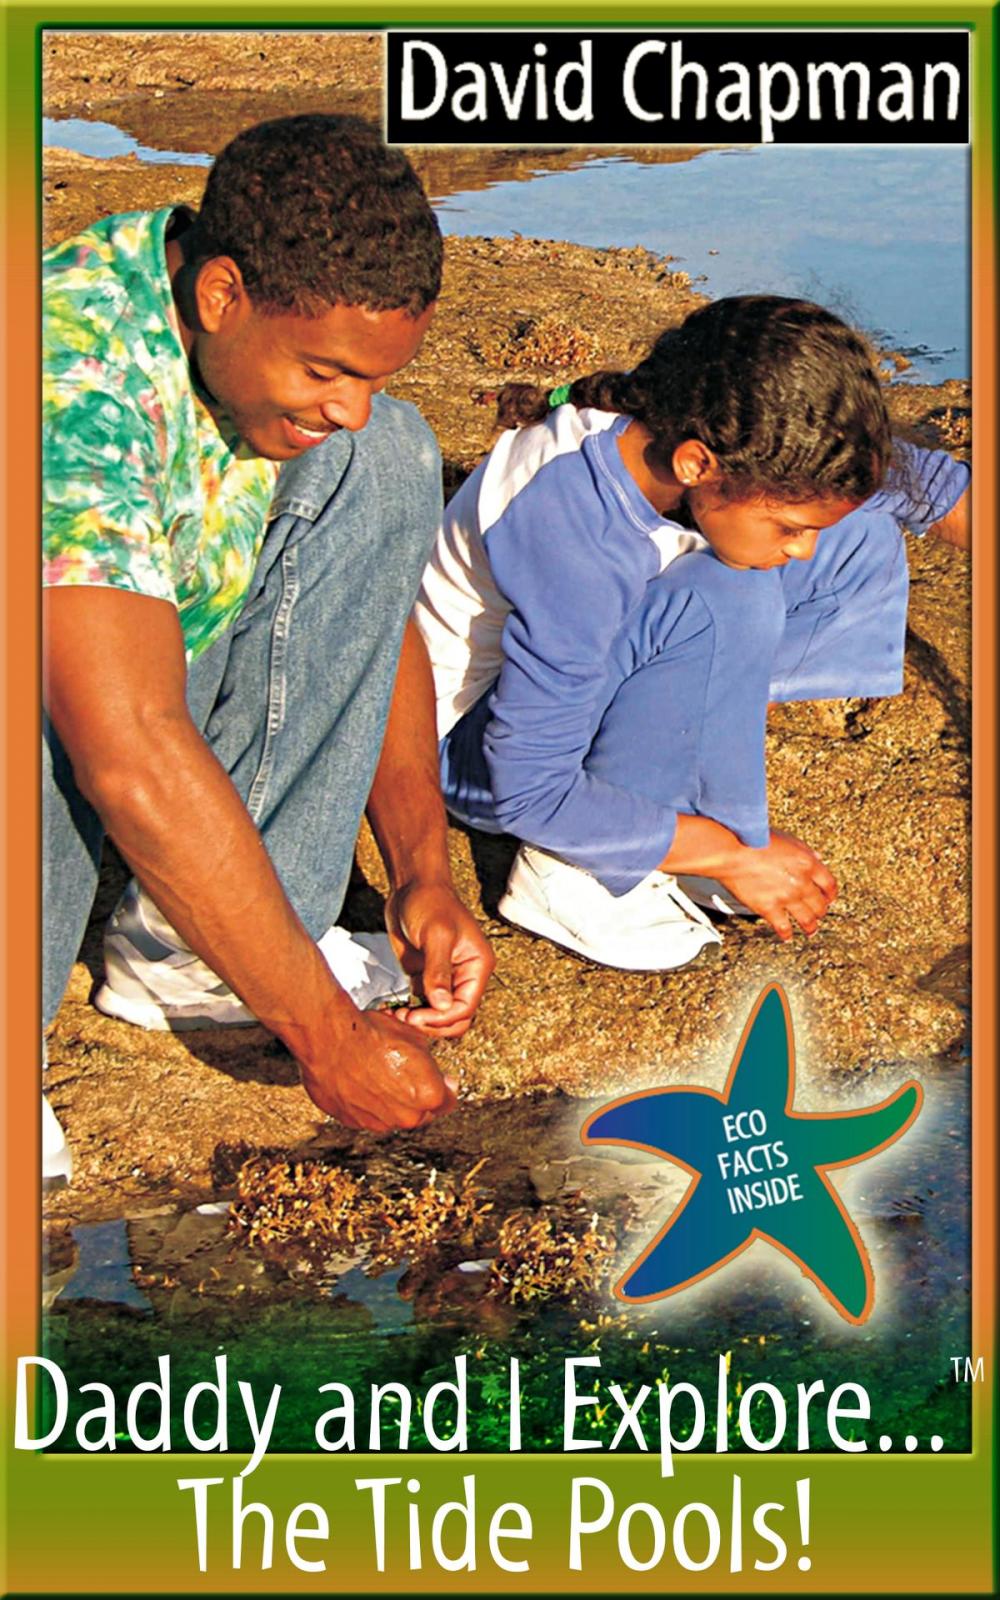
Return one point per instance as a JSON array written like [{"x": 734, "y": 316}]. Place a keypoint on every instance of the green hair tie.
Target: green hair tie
[{"x": 558, "y": 397}]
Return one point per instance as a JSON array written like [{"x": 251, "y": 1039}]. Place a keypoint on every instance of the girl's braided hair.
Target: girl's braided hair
[{"x": 782, "y": 392}]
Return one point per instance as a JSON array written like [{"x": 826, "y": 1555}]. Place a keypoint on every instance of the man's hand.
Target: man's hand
[
  {"x": 783, "y": 882},
  {"x": 379, "y": 1075},
  {"x": 445, "y": 953}
]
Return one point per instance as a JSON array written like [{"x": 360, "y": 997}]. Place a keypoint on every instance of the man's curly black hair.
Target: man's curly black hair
[{"x": 316, "y": 211}]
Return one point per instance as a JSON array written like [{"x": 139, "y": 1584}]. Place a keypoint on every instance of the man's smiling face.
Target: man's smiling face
[{"x": 287, "y": 380}]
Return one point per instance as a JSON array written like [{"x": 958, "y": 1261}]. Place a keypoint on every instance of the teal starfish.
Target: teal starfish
[{"x": 760, "y": 1169}]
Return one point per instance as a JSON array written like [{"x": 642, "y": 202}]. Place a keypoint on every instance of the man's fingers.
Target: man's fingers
[
  {"x": 825, "y": 881},
  {"x": 445, "y": 950},
  {"x": 437, "y": 1099},
  {"x": 402, "y": 1082},
  {"x": 451, "y": 1021},
  {"x": 437, "y": 979},
  {"x": 469, "y": 978},
  {"x": 448, "y": 1024},
  {"x": 437, "y": 1025},
  {"x": 388, "y": 1080},
  {"x": 426, "y": 1097},
  {"x": 471, "y": 975}
]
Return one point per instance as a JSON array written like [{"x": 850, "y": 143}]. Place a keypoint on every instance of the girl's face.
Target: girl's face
[
  {"x": 754, "y": 532},
  {"x": 761, "y": 533}
]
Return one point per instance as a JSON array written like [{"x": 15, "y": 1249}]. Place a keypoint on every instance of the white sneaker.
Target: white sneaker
[
  {"x": 154, "y": 980},
  {"x": 709, "y": 893},
  {"x": 653, "y": 928},
  {"x": 57, "y": 1161}
]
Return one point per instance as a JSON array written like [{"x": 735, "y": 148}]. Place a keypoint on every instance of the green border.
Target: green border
[{"x": 916, "y": 1500}]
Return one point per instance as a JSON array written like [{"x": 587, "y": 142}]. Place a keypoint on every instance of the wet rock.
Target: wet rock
[{"x": 548, "y": 1179}]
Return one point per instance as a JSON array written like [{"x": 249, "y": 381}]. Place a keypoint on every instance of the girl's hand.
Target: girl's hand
[{"x": 785, "y": 882}]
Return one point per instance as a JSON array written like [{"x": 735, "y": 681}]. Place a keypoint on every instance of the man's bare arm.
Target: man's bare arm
[
  {"x": 438, "y": 940},
  {"x": 115, "y": 691}
]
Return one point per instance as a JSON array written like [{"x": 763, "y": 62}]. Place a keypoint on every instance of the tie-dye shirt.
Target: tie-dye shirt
[{"x": 144, "y": 487}]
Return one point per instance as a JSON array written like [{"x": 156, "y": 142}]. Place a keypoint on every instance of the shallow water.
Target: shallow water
[
  {"x": 104, "y": 1270},
  {"x": 879, "y": 234},
  {"x": 104, "y": 141}
]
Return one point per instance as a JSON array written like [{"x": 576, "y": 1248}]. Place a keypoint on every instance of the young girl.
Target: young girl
[{"x": 621, "y": 587}]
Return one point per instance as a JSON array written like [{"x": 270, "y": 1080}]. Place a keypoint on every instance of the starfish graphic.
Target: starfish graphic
[{"x": 760, "y": 1169}]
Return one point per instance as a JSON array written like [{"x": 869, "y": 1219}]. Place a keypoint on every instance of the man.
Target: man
[{"x": 221, "y": 655}]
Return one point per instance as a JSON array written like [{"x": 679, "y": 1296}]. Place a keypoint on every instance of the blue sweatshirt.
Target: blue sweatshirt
[{"x": 542, "y": 555}]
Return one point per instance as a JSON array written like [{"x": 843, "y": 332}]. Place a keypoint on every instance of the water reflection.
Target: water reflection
[
  {"x": 102, "y": 1267},
  {"x": 103, "y": 141},
  {"x": 880, "y": 235}
]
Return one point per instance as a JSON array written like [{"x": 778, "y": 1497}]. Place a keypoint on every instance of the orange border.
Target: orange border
[{"x": 19, "y": 757}]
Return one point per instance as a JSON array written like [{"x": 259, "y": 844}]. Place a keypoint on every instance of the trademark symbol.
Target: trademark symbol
[{"x": 965, "y": 1369}]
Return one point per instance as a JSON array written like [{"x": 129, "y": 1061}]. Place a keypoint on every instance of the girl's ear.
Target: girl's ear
[
  {"x": 693, "y": 463},
  {"x": 219, "y": 293}
]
